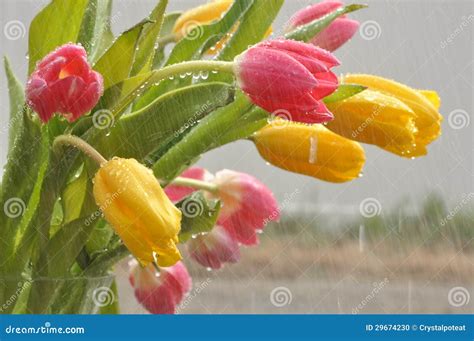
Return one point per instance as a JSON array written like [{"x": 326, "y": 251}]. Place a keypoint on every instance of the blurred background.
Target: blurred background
[{"x": 397, "y": 240}]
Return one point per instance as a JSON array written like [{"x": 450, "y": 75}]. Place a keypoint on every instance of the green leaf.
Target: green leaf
[
  {"x": 199, "y": 215},
  {"x": 344, "y": 91},
  {"x": 73, "y": 234},
  {"x": 95, "y": 33},
  {"x": 308, "y": 31},
  {"x": 24, "y": 172},
  {"x": 201, "y": 138},
  {"x": 252, "y": 27},
  {"x": 73, "y": 197},
  {"x": 17, "y": 101},
  {"x": 58, "y": 23},
  {"x": 121, "y": 92},
  {"x": 116, "y": 63},
  {"x": 166, "y": 29},
  {"x": 146, "y": 45},
  {"x": 20, "y": 175},
  {"x": 186, "y": 49},
  {"x": 99, "y": 239},
  {"x": 190, "y": 49},
  {"x": 253, "y": 120},
  {"x": 139, "y": 133}
]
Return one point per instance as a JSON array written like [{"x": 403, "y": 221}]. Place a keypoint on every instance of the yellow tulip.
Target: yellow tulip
[
  {"x": 134, "y": 203},
  {"x": 311, "y": 150},
  {"x": 203, "y": 15},
  {"x": 200, "y": 15},
  {"x": 388, "y": 114}
]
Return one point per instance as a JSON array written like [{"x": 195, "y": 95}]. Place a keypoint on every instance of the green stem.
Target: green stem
[
  {"x": 80, "y": 144},
  {"x": 165, "y": 40},
  {"x": 207, "y": 186},
  {"x": 173, "y": 70},
  {"x": 193, "y": 66}
]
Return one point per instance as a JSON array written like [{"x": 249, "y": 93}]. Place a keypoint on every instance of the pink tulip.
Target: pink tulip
[
  {"x": 64, "y": 83},
  {"x": 215, "y": 248},
  {"x": 160, "y": 293},
  {"x": 286, "y": 75},
  {"x": 176, "y": 193},
  {"x": 336, "y": 34},
  {"x": 248, "y": 205}
]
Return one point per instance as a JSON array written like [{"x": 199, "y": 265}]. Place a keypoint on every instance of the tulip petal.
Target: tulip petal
[
  {"x": 313, "y": 12},
  {"x": 311, "y": 150},
  {"x": 336, "y": 34},
  {"x": 272, "y": 73},
  {"x": 303, "y": 49}
]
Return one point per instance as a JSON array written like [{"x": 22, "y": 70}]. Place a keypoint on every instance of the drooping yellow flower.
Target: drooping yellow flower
[
  {"x": 203, "y": 15},
  {"x": 134, "y": 203},
  {"x": 388, "y": 114},
  {"x": 311, "y": 150}
]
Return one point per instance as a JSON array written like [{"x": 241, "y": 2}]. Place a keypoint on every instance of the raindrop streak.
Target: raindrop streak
[
  {"x": 362, "y": 238},
  {"x": 313, "y": 144}
]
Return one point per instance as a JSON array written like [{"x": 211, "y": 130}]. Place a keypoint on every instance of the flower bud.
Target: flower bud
[
  {"x": 214, "y": 248},
  {"x": 63, "y": 82},
  {"x": 288, "y": 76},
  {"x": 247, "y": 205},
  {"x": 134, "y": 203},
  {"x": 332, "y": 37},
  {"x": 160, "y": 292},
  {"x": 388, "y": 114},
  {"x": 311, "y": 150}
]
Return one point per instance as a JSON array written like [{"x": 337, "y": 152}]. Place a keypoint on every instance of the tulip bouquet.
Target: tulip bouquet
[{"x": 103, "y": 138}]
